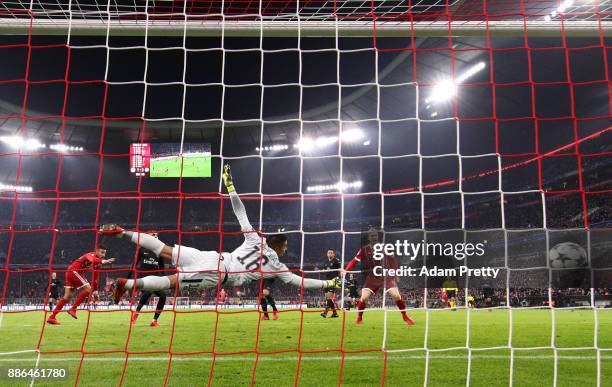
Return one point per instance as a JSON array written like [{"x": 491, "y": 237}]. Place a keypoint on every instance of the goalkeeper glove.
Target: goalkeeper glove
[
  {"x": 334, "y": 283},
  {"x": 227, "y": 178}
]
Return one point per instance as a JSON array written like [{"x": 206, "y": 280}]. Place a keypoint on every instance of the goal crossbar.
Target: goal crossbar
[{"x": 310, "y": 28}]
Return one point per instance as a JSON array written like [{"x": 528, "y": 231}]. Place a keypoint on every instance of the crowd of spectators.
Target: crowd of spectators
[{"x": 30, "y": 288}]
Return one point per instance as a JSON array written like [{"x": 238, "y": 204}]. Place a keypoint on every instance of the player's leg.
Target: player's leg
[
  {"x": 144, "y": 240},
  {"x": 84, "y": 292},
  {"x": 264, "y": 303},
  {"x": 161, "y": 302},
  {"x": 365, "y": 294},
  {"x": 150, "y": 283},
  {"x": 401, "y": 304},
  {"x": 51, "y": 301},
  {"x": 144, "y": 299},
  {"x": 332, "y": 303},
  {"x": 329, "y": 304},
  {"x": 68, "y": 293},
  {"x": 272, "y": 303}
]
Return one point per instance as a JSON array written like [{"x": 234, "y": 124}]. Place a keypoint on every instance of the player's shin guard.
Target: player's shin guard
[
  {"x": 264, "y": 306},
  {"x": 82, "y": 295},
  {"x": 59, "y": 307},
  {"x": 361, "y": 306},
  {"x": 401, "y": 305}
]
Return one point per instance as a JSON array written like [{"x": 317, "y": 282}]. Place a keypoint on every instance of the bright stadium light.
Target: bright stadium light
[
  {"x": 307, "y": 144},
  {"x": 275, "y": 147},
  {"x": 342, "y": 186},
  {"x": 447, "y": 89},
  {"x": 16, "y": 188},
  {"x": 352, "y": 135},
  {"x": 20, "y": 142},
  {"x": 560, "y": 9},
  {"x": 66, "y": 148}
]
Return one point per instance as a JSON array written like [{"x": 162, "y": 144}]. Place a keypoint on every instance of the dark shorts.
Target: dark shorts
[{"x": 450, "y": 293}]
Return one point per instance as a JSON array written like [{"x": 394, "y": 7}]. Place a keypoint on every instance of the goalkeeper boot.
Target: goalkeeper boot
[
  {"x": 119, "y": 289},
  {"x": 275, "y": 315},
  {"x": 265, "y": 317},
  {"x": 324, "y": 314},
  {"x": 53, "y": 321},
  {"x": 335, "y": 314},
  {"x": 72, "y": 313},
  {"x": 110, "y": 230},
  {"x": 155, "y": 324},
  {"x": 359, "y": 320},
  {"x": 134, "y": 318}
]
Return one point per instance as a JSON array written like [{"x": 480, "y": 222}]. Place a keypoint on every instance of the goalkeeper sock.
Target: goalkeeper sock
[
  {"x": 271, "y": 302},
  {"x": 361, "y": 306},
  {"x": 80, "y": 298},
  {"x": 145, "y": 241},
  {"x": 264, "y": 306},
  {"x": 59, "y": 307},
  {"x": 330, "y": 305},
  {"x": 152, "y": 283},
  {"x": 401, "y": 304}
]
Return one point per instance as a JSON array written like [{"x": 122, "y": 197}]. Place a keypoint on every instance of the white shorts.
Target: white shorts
[{"x": 198, "y": 268}]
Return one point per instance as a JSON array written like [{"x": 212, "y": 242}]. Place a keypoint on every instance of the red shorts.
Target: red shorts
[
  {"x": 376, "y": 283},
  {"x": 75, "y": 280}
]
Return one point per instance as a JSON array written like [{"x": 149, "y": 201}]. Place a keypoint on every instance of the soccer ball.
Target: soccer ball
[{"x": 567, "y": 255}]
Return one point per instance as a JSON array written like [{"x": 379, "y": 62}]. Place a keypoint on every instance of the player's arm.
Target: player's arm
[
  {"x": 354, "y": 261},
  {"x": 105, "y": 261},
  {"x": 237, "y": 204},
  {"x": 308, "y": 283}
]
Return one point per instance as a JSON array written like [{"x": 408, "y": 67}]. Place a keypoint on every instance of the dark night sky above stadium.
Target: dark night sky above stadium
[{"x": 328, "y": 76}]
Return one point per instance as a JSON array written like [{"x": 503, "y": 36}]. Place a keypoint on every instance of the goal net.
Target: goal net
[{"x": 475, "y": 131}]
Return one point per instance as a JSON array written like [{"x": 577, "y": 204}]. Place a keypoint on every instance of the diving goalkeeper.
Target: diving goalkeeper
[{"x": 254, "y": 258}]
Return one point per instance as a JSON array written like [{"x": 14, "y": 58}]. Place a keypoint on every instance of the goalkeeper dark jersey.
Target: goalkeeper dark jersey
[
  {"x": 334, "y": 265},
  {"x": 148, "y": 264}
]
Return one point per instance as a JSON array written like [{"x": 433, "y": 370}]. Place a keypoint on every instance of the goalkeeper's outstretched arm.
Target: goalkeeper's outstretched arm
[
  {"x": 237, "y": 205},
  {"x": 309, "y": 283}
]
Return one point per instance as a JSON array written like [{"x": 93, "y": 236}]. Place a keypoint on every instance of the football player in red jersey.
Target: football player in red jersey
[
  {"x": 75, "y": 280},
  {"x": 365, "y": 256}
]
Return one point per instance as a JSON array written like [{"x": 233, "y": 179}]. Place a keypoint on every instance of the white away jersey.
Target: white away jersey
[{"x": 253, "y": 254}]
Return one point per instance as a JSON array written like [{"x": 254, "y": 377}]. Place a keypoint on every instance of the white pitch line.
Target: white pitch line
[{"x": 230, "y": 358}]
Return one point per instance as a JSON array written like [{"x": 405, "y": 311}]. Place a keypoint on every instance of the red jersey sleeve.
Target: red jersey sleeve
[
  {"x": 94, "y": 260},
  {"x": 354, "y": 261}
]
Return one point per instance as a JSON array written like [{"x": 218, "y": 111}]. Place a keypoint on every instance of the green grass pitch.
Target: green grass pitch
[
  {"x": 195, "y": 332},
  {"x": 195, "y": 166}
]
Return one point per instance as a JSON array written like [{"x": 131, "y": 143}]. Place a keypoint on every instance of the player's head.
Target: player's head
[
  {"x": 101, "y": 251},
  {"x": 331, "y": 254},
  {"x": 372, "y": 236},
  {"x": 278, "y": 243},
  {"x": 154, "y": 234},
  {"x": 54, "y": 275}
]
